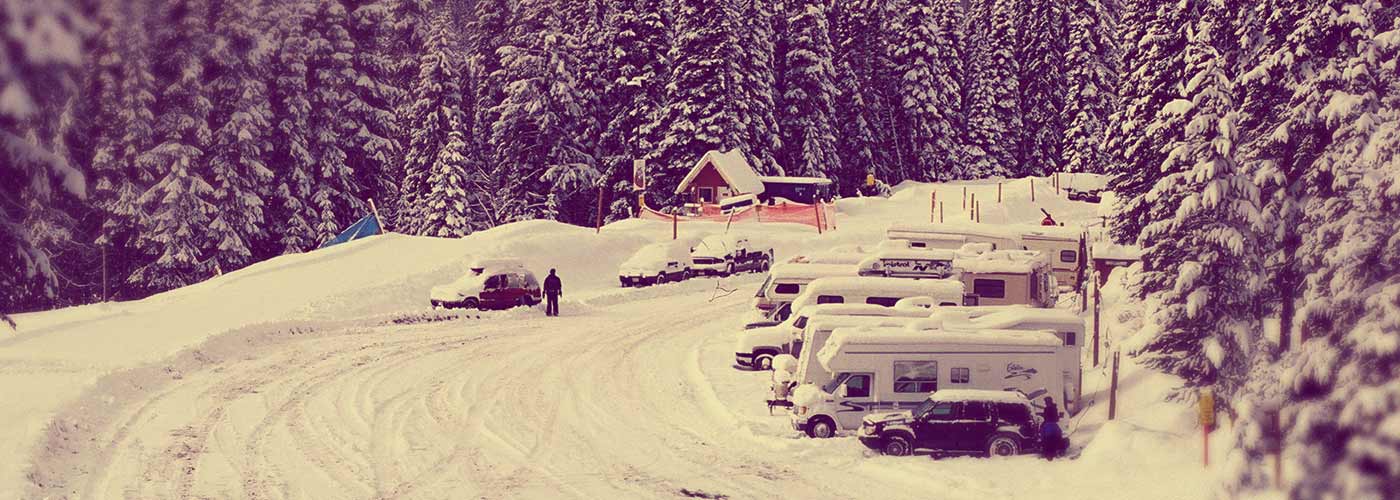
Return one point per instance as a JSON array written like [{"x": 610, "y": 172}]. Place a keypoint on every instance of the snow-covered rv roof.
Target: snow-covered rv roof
[
  {"x": 1114, "y": 251},
  {"x": 805, "y": 271},
  {"x": 872, "y": 286},
  {"x": 732, "y": 166},
  {"x": 896, "y": 337},
  {"x": 1004, "y": 231},
  {"x": 1002, "y": 261}
]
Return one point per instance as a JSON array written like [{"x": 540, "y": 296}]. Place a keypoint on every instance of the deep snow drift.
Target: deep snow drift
[{"x": 310, "y": 376}]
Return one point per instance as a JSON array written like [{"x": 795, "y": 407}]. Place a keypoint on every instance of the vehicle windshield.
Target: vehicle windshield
[
  {"x": 831, "y": 386},
  {"x": 924, "y": 408},
  {"x": 713, "y": 244}
]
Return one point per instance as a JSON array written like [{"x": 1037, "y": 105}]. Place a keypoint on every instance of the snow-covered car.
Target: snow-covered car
[
  {"x": 491, "y": 287},
  {"x": 726, "y": 254},
  {"x": 656, "y": 263},
  {"x": 980, "y": 422}
]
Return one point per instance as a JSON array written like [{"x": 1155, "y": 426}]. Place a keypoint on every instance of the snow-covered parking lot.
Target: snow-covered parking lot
[{"x": 630, "y": 394}]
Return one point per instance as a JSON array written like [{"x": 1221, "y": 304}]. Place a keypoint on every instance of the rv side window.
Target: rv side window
[
  {"x": 915, "y": 376},
  {"x": 882, "y": 301},
  {"x": 830, "y": 299},
  {"x": 1068, "y": 256},
  {"x": 858, "y": 386},
  {"x": 992, "y": 289},
  {"x": 961, "y": 376},
  {"x": 788, "y": 288},
  {"x": 1069, "y": 337},
  {"x": 918, "y": 244}
]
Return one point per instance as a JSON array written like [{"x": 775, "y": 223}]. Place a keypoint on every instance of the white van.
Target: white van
[
  {"x": 888, "y": 369},
  {"x": 786, "y": 281},
  {"x": 877, "y": 290},
  {"x": 757, "y": 345}
]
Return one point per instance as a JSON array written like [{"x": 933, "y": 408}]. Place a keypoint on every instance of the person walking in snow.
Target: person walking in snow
[
  {"x": 552, "y": 290},
  {"x": 1050, "y": 436}
]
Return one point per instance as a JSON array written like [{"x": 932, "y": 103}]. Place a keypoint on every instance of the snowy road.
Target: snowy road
[{"x": 514, "y": 405}]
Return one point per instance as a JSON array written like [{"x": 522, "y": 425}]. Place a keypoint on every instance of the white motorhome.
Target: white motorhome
[
  {"x": 1062, "y": 245},
  {"x": 890, "y": 368},
  {"x": 786, "y": 282},
  {"x": 1000, "y": 277},
  {"x": 757, "y": 345},
  {"x": 877, "y": 290}
]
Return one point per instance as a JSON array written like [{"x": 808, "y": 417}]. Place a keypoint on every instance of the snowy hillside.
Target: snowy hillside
[{"x": 324, "y": 375}]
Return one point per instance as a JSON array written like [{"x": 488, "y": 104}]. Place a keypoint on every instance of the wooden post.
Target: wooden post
[
  {"x": 817, "y": 209},
  {"x": 379, "y": 220},
  {"x": 932, "y": 204},
  {"x": 641, "y": 204},
  {"x": 964, "y": 197},
  {"x": 104, "y": 274},
  {"x": 977, "y": 207},
  {"x": 599, "y": 229},
  {"x": 940, "y": 213},
  {"x": 1096, "y": 328},
  {"x": 675, "y": 223},
  {"x": 1032, "y": 179},
  {"x": 972, "y": 210},
  {"x": 998, "y": 192},
  {"x": 1113, "y": 390}
]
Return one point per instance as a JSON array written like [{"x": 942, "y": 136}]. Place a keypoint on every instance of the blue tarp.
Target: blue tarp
[{"x": 368, "y": 226}]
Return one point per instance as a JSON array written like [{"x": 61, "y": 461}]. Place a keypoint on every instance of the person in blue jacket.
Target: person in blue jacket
[{"x": 1050, "y": 435}]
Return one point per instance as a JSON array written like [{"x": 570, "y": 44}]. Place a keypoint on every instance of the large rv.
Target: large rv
[
  {"x": 891, "y": 368},
  {"x": 1063, "y": 245},
  {"x": 757, "y": 345},
  {"x": 786, "y": 281},
  {"x": 877, "y": 290},
  {"x": 996, "y": 278}
]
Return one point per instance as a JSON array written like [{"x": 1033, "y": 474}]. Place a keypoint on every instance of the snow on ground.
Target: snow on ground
[{"x": 323, "y": 375}]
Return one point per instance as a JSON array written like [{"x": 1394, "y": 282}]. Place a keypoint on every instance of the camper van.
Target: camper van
[
  {"x": 1001, "y": 277},
  {"x": 758, "y": 344},
  {"x": 1062, "y": 245},
  {"x": 786, "y": 281},
  {"x": 890, "y": 369},
  {"x": 877, "y": 290}
]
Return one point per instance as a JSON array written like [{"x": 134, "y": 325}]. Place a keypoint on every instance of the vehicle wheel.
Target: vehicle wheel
[
  {"x": 471, "y": 303},
  {"x": 661, "y": 278},
  {"x": 897, "y": 446},
  {"x": 686, "y": 275},
  {"x": 1003, "y": 445},
  {"x": 821, "y": 428},
  {"x": 763, "y": 266},
  {"x": 729, "y": 270},
  {"x": 763, "y": 362}
]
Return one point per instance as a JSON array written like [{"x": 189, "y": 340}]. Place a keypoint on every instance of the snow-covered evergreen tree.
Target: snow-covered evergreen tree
[
  {"x": 862, "y": 61},
  {"x": 699, "y": 114},
  {"x": 437, "y": 101},
  {"x": 293, "y": 165},
  {"x": 807, "y": 118},
  {"x": 240, "y": 116},
  {"x": 1090, "y": 83},
  {"x": 1200, "y": 258},
  {"x": 636, "y": 91},
  {"x": 337, "y": 122},
  {"x": 174, "y": 234},
  {"x": 1041, "y": 52},
  {"x": 374, "y": 152},
  {"x": 930, "y": 95},
  {"x": 1337, "y": 389},
  {"x": 993, "y": 112},
  {"x": 443, "y": 205},
  {"x": 1154, "y": 34},
  {"x": 536, "y": 132},
  {"x": 38, "y": 67},
  {"x": 758, "y": 63}
]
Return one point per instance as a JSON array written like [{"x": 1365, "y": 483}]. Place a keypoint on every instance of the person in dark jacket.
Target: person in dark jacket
[
  {"x": 1050, "y": 435},
  {"x": 552, "y": 290}
]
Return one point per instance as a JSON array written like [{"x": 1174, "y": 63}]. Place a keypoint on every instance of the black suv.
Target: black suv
[{"x": 994, "y": 423}]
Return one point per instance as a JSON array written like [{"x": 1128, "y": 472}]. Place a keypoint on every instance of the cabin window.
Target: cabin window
[
  {"x": 707, "y": 194},
  {"x": 961, "y": 376},
  {"x": 1069, "y": 337},
  {"x": 915, "y": 376},
  {"x": 788, "y": 288},
  {"x": 831, "y": 299},
  {"x": 858, "y": 386},
  {"x": 882, "y": 301},
  {"x": 992, "y": 289},
  {"x": 1068, "y": 256}
]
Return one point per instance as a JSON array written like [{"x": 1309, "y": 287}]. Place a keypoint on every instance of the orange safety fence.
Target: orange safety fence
[{"x": 818, "y": 216}]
